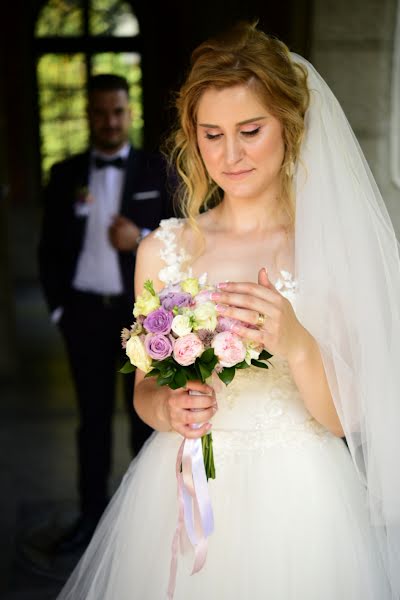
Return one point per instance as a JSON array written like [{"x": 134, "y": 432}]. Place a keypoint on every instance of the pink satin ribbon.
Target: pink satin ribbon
[{"x": 195, "y": 510}]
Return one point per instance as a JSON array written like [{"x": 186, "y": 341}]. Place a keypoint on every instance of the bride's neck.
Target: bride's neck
[{"x": 243, "y": 216}]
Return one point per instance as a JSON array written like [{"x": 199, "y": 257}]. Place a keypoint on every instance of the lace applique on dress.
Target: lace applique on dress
[
  {"x": 286, "y": 285},
  {"x": 173, "y": 256}
]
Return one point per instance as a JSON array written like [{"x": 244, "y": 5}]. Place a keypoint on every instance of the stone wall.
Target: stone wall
[{"x": 352, "y": 48}]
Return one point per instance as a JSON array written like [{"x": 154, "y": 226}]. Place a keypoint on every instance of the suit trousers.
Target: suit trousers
[{"x": 91, "y": 325}]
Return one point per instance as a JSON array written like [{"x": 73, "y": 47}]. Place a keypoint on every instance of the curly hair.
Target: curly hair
[{"x": 244, "y": 55}]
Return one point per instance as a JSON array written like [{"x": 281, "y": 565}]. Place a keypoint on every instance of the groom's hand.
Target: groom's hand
[{"x": 123, "y": 234}]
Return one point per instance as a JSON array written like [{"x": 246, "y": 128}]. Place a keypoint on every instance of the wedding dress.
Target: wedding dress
[{"x": 291, "y": 519}]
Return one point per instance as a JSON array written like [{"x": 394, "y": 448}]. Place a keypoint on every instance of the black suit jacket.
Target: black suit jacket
[{"x": 64, "y": 226}]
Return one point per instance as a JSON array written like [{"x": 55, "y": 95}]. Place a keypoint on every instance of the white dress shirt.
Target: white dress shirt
[{"x": 98, "y": 267}]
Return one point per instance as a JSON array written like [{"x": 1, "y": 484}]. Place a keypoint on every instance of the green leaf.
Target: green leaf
[
  {"x": 227, "y": 374},
  {"x": 179, "y": 379},
  {"x": 164, "y": 380},
  {"x": 192, "y": 373},
  {"x": 242, "y": 365},
  {"x": 148, "y": 285},
  {"x": 128, "y": 367},
  {"x": 264, "y": 355},
  {"x": 151, "y": 374},
  {"x": 205, "y": 372},
  {"x": 173, "y": 385},
  {"x": 207, "y": 355},
  {"x": 257, "y": 363}
]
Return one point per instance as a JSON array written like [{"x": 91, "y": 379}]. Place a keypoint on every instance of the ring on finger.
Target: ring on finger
[{"x": 261, "y": 318}]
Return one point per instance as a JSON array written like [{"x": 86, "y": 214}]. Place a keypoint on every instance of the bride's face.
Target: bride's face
[{"x": 240, "y": 142}]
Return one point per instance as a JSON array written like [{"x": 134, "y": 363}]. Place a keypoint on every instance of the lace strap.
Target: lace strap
[{"x": 173, "y": 256}]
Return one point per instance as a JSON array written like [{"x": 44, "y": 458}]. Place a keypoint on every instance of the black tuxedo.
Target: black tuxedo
[{"x": 91, "y": 323}]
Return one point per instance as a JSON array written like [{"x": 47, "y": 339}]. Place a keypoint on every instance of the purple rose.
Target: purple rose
[
  {"x": 169, "y": 289},
  {"x": 158, "y": 346},
  {"x": 158, "y": 321},
  {"x": 179, "y": 299}
]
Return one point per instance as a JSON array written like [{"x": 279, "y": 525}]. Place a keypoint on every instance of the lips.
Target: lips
[{"x": 238, "y": 174}]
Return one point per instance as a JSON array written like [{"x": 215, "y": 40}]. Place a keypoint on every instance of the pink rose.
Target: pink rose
[
  {"x": 187, "y": 348},
  {"x": 229, "y": 349}
]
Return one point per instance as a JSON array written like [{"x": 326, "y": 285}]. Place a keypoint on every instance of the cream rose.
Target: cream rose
[
  {"x": 181, "y": 325},
  {"x": 190, "y": 285},
  {"x": 205, "y": 316},
  {"x": 137, "y": 354},
  {"x": 145, "y": 304},
  {"x": 252, "y": 351}
]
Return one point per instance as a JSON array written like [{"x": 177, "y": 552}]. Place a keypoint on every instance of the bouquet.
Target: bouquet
[{"x": 178, "y": 336}]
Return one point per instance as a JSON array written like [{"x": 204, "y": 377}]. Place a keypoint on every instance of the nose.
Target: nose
[{"x": 233, "y": 150}]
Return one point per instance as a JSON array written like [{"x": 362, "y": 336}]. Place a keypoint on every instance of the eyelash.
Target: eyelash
[{"x": 252, "y": 133}]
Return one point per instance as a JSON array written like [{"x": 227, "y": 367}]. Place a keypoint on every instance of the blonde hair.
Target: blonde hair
[{"x": 246, "y": 56}]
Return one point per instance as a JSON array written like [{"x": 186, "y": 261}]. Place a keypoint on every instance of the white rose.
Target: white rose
[
  {"x": 137, "y": 354},
  {"x": 205, "y": 316},
  {"x": 252, "y": 351},
  {"x": 181, "y": 325}
]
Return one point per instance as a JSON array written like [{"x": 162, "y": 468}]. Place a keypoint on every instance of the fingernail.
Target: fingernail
[
  {"x": 223, "y": 284},
  {"x": 215, "y": 296},
  {"x": 208, "y": 426},
  {"x": 221, "y": 307}
]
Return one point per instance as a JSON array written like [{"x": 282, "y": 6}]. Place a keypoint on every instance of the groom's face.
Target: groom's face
[{"x": 109, "y": 119}]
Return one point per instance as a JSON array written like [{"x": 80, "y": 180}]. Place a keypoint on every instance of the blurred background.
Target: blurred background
[{"x": 48, "y": 50}]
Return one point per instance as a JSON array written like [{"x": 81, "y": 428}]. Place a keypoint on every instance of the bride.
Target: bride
[{"x": 283, "y": 215}]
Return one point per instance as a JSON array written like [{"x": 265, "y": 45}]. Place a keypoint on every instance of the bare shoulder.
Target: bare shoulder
[{"x": 148, "y": 261}]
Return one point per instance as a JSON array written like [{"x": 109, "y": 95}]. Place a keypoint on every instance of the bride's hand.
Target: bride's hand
[
  {"x": 260, "y": 304},
  {"x": 189, "y": 414}
]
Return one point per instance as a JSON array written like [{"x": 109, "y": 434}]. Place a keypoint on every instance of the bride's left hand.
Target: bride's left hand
[{"x": 261, "y": 305}]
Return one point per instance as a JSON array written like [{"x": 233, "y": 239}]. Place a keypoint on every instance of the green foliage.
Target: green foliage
[
  {"x": 59, "y": 17},
  {"x": 128, "y": 367},
  {"x": 148, "y": 285},
  {"x": 169, "y": 372},
  {"x": 62, "y": 77}
]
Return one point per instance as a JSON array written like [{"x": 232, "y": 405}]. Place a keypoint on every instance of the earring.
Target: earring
[{"x": 289, "y": 168}]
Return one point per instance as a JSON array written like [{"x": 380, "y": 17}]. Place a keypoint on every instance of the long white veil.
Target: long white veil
[{"x": 348, "y": 269}]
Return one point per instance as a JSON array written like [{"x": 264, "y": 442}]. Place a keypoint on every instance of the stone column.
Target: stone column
[{"x": 352, "y": 48}]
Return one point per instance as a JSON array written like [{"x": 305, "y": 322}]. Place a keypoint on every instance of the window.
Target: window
[{"x": 75, "y": 39}]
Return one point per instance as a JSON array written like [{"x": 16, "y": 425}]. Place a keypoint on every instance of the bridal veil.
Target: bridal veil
[{"x": 348, "y": 272}]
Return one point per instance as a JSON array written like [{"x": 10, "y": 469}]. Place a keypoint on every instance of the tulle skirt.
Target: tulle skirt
[{"x": 290, "y": 523}]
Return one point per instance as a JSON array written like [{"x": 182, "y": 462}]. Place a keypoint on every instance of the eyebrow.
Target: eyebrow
[{"x": 209, "y": 126}]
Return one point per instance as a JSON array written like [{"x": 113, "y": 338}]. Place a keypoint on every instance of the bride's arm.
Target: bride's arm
[
  {"x": 160, "y": 407},
  {"x": 305, "y": 363}
]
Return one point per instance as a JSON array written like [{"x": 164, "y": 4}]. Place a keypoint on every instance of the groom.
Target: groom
[{"x": 98, "y": 206}]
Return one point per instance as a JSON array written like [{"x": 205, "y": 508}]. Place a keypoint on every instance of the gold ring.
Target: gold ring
[{"x": 260, "y": 320}]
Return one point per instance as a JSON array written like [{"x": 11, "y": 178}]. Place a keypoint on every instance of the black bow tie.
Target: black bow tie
[{"x": 100, "y": 163}]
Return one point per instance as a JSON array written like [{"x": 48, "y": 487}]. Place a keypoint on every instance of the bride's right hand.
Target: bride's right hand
[{"x": 189, "y": 414}]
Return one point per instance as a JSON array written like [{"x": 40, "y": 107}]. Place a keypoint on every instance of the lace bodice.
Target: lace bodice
[{"x": 260, "y": 407}]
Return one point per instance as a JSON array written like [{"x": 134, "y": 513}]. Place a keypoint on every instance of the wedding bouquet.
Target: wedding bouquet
[{"x": 179, "y": 336}]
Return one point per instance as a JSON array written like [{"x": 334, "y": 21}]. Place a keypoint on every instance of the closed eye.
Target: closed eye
[
  {"x": 251, "y": 133},
  {"x": 215, "y": 136}
]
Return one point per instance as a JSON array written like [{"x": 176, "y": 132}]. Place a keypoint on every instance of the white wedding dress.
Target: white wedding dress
[{"x": 290, "y": 514}]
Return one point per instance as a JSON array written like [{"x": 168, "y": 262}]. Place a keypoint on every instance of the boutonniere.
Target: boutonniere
[{"x": 83, "y": 201}]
